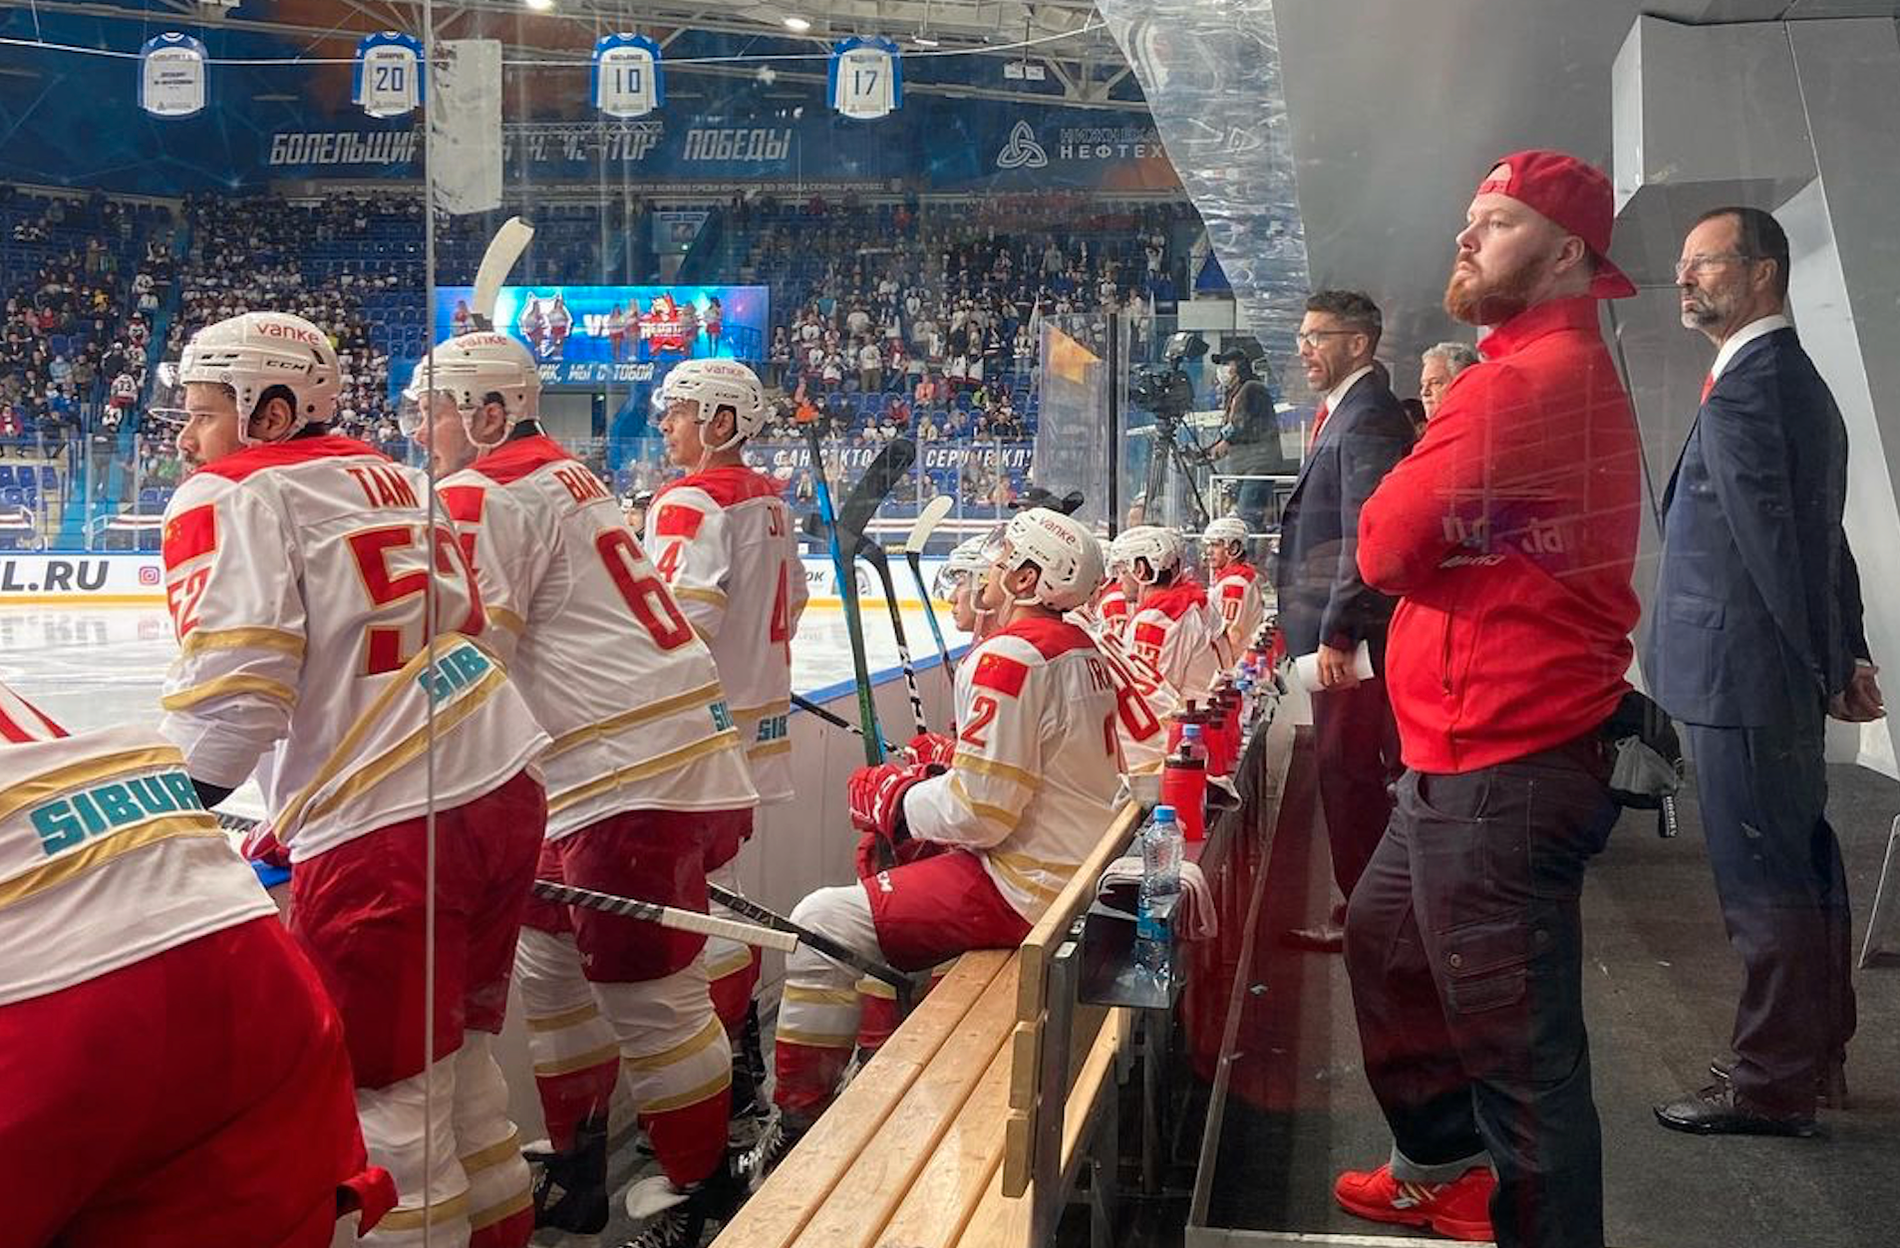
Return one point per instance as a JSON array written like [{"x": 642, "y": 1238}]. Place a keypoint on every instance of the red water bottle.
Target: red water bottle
[
  {"x": 1218, "y": 762},
  {"x": 1184, "y": 785}
]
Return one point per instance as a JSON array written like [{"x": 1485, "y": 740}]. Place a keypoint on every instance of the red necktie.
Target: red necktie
[
  {"x": 1708, "y": 384},
  {"x": 1319, "y": 418}
]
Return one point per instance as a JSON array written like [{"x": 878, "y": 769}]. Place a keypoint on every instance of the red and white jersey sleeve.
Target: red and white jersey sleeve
[
  {"x": 299, "y": 577},
  {"x": 608, "y": 661},
  {"x": 1144, "y": 738},
  {"x": 722, "y": 540},
  {"x": 1033, "y": 784},
  {"x": 106, "y": 858},
  {"x": 1236, "y": 596},
  {"x": 1173, "y": 632}
]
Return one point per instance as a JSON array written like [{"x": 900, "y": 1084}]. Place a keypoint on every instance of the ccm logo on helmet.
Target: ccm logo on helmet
[{"x": 281, "y": 329}]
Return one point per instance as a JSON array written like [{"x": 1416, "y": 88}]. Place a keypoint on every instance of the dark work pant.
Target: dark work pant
[
  {"x": 1356, "y": 749},
  {"x": 1464, "y": 947},
  {"x": 1763, "y": 795}
]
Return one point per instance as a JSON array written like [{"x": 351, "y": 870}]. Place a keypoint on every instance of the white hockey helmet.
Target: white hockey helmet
[
  {"x": 1064, "y": 552},
  {"x": 714, "y": 384},
  {"x": 1231, "y": 530},
  {"x": 1159, "y": 547},
  {"x": 468, "y": 368},
  {"x": 970, "y": 559},
  {"x": 251, "y": 353}
]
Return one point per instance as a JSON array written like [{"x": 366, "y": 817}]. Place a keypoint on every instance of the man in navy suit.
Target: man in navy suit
[
  {"x": 1325, "y": 606},
  {"x": 1756, "y": 638}
]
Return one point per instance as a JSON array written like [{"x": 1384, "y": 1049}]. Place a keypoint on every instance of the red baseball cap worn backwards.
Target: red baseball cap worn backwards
[{"x": 1573, "y": 194}]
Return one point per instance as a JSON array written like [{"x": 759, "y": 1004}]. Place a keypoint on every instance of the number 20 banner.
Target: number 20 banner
[{"x": 387, "y": 80}]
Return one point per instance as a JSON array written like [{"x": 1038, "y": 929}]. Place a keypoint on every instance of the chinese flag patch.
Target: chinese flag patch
[
  {"x": 190, "y": 534},
  {"x": 677, "y": 521},
  {"x": 1001, "y": 673},
  {"x": 1150, "y": 635},
  {"x": 464, "y": 503}
]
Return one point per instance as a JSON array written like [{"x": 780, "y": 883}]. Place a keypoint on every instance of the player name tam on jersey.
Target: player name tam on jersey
[
  {"x": 722, "y": 539},
  {"x": 1033, "y": 783},
  {"x": 610, "y": 664},
  {"x": 106, "y": 857},
  {"x": 299, "y": 575}
]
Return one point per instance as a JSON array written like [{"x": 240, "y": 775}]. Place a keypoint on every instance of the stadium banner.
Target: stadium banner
[
  {"x": 587, "y": 335},
  {"x": 270, "y": 122},
  {"x": 30, "y": 578}
]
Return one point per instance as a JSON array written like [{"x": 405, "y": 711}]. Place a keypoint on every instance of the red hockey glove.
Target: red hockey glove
[
  {"x": 261, "y": 845},
  {"x": 876, "y": 797},
  {"x": 932, "y": 750}
]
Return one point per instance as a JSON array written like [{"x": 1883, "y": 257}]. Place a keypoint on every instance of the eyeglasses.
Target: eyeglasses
[
  {"x": 1311, "y": 337},
  {"x": 1701, "y": 264}
]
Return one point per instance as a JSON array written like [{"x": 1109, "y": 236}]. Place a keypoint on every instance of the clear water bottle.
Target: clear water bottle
[{"x": 1160, "y": 890}]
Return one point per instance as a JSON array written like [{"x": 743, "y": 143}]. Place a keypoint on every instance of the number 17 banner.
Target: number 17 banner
[
  {"x": 867, "y": 78},
  {"x": 626, "y": 76}
]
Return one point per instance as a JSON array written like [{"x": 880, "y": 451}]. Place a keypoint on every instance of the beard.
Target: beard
[
  {"x": 1703, "y": 310},
  {"x": 1475, "y": 299}
]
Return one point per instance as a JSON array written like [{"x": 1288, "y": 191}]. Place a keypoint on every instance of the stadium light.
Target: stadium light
[
  {"x": 797, "y": 25},
  {"x": 539, "y": 6}
]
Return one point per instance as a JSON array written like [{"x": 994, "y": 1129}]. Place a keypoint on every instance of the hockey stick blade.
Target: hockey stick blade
[
  {"x": 927, "y": 521},
  {"x": 836, "y": 720},
  {"x": 879, "y": 479},
  {"x": 497, "y": 262},
  {"x": 874, "y": 554}
]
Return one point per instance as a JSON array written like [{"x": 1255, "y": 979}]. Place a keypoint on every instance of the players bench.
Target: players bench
[{"x": 971, "y": 1125}]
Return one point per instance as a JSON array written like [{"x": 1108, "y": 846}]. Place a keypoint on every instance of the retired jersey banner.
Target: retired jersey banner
[
  {"x": 866, "y": 78},
  {"x": 388, "y": 74},
  {"x": 626, "y": 76},
  {"x": 172, "y": 76}
]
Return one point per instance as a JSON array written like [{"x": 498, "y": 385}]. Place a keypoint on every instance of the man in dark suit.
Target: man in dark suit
[
  {"x": 1326, "y": 608},
  {"x": 1756, "y": 637}
]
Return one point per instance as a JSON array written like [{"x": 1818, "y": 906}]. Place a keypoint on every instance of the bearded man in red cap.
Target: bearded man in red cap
[{"x": 1509, "y": 535}]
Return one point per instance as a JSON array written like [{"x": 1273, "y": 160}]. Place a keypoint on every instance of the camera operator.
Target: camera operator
[{"x": 1249, "y": 444}]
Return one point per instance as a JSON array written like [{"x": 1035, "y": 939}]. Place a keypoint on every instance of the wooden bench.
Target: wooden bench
[{"x": 993, "y": 1082}]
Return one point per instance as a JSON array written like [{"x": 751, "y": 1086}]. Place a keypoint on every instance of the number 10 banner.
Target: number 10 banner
[
  {"x": 626, "y": 76},
  {"x": 387, "y": 80}
]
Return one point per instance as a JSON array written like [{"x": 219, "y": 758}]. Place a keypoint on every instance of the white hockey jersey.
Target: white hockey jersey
[
  {"x": 1033, "y": 783},
  {"x": 1175, "y": 634},
  {"x": 297, "y": 574},
  {"x": 1144, "y": 738},
  {"x": 106, "y": 856},
  {"x": 605, "y": 656},
  {"x": 1237, "y": 598},
  {"x": 722, "y": 539}
]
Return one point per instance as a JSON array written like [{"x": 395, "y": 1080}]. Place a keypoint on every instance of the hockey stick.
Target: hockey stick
[
  {"x": 927, "y": 521},
  {"x": 835, "y": 720},
  {"x": 874, "y": 555},
  {"x": 846, "y": 573},
  {"x": 503, "y": 250},
  {"x": 841, "y": 954},
  {"x": 667, "y": 916}
]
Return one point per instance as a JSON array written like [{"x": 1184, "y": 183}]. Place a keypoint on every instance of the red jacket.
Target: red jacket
[{"x": 1510, "y": 534}]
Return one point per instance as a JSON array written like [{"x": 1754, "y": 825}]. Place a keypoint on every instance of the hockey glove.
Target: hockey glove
[
  {"x": 931, "y": 750},
  {"x": 261, "y": 845},
  {"x": 876, "y": 798}
]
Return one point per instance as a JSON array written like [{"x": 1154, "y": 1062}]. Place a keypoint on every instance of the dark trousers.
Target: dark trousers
[
  {"x": 1356, "y": 749},
  {"x": 1464, "y": 947},
  {"x": 1763, "y": 795}
]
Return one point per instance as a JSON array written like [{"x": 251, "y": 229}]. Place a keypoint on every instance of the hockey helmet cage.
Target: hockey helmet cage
[
  {"x": 1065, "y": 554},
  {"x": 255, "y": 351},
  {"x": 1160, "y": 548},
  {"x": 715, "y": 384},
  {"x": 971, "y": 558},
  {"x": 468, "y": 368},
  {"x": 1229, "y": 529}
]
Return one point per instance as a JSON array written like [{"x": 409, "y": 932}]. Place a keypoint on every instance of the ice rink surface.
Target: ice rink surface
[{"x": 93, "y": 667}]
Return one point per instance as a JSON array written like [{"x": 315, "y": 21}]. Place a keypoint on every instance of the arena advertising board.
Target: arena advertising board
[{"x": 591, "y": 335}]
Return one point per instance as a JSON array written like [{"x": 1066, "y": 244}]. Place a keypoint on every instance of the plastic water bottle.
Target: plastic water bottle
[
  {"x": 1160, "y": 888},
  {"x": 1197, "y": 748}
]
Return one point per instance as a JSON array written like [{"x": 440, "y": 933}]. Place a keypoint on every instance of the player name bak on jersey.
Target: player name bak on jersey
[
  {"x": 300, "y": 576},
  {"x": 1032, "y": 786},
  {"x": 106, "y": 858},
  {"x": 607, "y": 660},
  {"x": 722, "y": 540}
]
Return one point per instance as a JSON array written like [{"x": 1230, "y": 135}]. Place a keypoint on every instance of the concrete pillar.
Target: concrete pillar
[{"x": 1799, "y": 118}]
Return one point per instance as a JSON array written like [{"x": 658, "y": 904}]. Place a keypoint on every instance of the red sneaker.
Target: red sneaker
[{"x": 1460, "y": 1209}]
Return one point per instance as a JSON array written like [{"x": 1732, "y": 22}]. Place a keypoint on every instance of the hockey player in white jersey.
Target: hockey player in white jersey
[
  {"x": 328, "y": 629},
  {"x": 1170, "y": 629},
  {"x": 1234, "y": 584},
  {"x": 1028, "y": 792},
  {"x": 959, "y": 582},
  {"x": 721, "y": 537},
  {"x": 161, "y": 1035},
  {"x": 646, "y": 778}
]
